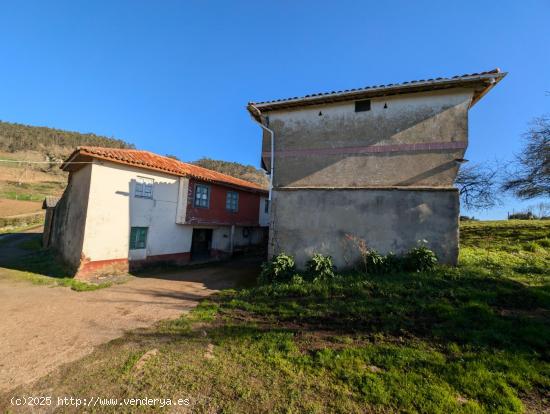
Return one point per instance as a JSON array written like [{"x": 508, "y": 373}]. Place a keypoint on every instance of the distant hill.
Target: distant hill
[
  {"x": 24, "y": 185},
  {"x": 56, "y": 143},
  {"x": 235, "y": 169}
]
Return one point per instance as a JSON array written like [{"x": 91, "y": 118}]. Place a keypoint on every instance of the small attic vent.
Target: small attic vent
[{"x": 362, "y": 106}]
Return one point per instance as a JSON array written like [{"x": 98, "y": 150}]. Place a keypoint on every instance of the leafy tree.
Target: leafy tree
[{"x": 532, "y": 177}]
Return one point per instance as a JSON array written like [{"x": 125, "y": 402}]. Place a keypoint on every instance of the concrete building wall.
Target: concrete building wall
[
  {"x": 69, "y": 219},
  {"x": 413, "y": 141},
  {"x": 318, "y": 221},
  {"x": 113, "y": 209},
  {"x": 221, "y": 237}
]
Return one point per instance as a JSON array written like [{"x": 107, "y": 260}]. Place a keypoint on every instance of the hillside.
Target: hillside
[
  {"x": 235, "y": 169},
  {"x": 18, "y": 137},
  {"x": 24, "y": 185}
]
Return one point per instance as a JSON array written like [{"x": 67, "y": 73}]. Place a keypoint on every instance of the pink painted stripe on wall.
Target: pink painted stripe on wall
[{"x": 371, "y": 149}]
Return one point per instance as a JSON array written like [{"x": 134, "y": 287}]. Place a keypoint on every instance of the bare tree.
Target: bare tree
[
  {"x": 532, "y": 177},
  {"x": 478, "y": 186}
]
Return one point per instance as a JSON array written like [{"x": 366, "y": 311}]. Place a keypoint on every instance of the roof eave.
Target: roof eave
[
  {"x": 80, "y": 152},
  {"x": 486, "y": 81}
]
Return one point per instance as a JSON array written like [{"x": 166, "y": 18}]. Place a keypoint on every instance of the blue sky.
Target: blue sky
[{"x": 175, "y": 76}]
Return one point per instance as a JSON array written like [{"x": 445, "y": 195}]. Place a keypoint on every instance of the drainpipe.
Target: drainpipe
[{"x": 272, "y": 134}]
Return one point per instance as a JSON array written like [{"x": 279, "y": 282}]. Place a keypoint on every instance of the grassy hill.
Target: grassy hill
[
  {"x": 470, "y": 339},
  {"x": 24, "y": 185},
  {"x": 50, "y": 141}
]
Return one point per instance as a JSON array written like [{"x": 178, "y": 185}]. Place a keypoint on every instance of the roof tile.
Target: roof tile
[{"x": 149, "y": 160}]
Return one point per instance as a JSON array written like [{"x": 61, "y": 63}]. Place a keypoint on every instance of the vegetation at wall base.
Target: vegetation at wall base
[{"x": 471, "y": 339}]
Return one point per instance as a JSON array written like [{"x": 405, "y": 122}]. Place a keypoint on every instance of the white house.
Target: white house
[{"x": 124, "y": 208}]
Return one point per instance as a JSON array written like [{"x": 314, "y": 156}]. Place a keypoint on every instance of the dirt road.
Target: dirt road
[{"x": 43, "y": 327}]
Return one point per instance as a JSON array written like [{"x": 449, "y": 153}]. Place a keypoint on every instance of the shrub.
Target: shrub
[
  {"x": 393, "y": 263},
  {"x": 320, "y": 267},
  {"x": 297, "y": 280},
  {"x": 420, "y": 259},
  {"x": 374, "y": 262},
  {"x": 279, "y": 269},
  {"x": 544, "y": 242},
  {"x": 531, "y": 246}
]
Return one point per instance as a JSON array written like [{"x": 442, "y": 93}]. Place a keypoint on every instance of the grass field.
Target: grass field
[
  {"x": 23, "y": 187},
  {"x": 32, "y": 264},
  {"x": 470, "y": 339}
]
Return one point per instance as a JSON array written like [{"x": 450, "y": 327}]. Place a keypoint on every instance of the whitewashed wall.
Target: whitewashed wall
[{"x": 113, "y": 209}]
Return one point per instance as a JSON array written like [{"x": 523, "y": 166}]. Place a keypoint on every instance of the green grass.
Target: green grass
[
  {"x": 38, "y": 279},
  {"x": 18, "y": 229},
  {"x": 470, "y": 339},
  {"x": 41, "y": 268},
  {"x": 30, "y": 191}
]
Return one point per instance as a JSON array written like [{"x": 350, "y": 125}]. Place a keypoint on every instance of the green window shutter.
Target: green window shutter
[
  {"x": 133, "y": 232},
  {"x": 138, "y": 238}
]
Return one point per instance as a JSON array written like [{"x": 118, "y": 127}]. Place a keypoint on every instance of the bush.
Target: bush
[
  {"x": 531, "y": 246},
  {"x": 420, "y": 259},
  {"x": 320, "y": 267},
  {"x": 280, "y": 268},
  {"x": 393, "y": 263},
  {"x": 374, "y": 262}
]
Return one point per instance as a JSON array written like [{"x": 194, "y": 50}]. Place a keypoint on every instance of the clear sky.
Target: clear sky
[{"x": 174, "y": 77}]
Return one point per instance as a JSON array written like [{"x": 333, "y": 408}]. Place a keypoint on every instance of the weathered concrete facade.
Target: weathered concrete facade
[
  {"x": 342, "y": 147},
  {"x": 392, "y": 220},
  {"x": 69, "y": 217},
  {"x": 383, "y": 173}
]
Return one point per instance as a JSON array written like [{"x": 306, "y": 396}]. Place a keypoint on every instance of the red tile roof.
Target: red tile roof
[
  {"x": 485, "y": 80},
  {"x": 150, "y": 161}
]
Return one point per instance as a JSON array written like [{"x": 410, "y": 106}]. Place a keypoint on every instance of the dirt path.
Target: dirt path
[{"x": 43, "y": 327}]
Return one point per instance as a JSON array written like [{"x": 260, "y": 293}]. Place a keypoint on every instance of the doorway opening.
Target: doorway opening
[{"x": 201, "y": 244}]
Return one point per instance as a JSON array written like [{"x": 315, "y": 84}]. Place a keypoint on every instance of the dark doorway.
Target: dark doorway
[{"x": 201, "y": 244}]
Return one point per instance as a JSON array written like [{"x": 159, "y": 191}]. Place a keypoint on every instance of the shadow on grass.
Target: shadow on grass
[
  {"x": 468, "y": 309},
  {"x": 23, "y": 252}
]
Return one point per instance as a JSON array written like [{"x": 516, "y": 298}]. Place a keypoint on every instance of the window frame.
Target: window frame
[
  {"x": 208, "y": 191},
  {"x": 266, "y": 206},
  {"x": 138, "y": 237},
  {"x": 233, "y": 199},
  {"x": 363, "y": 105},
  {"x": 144, "y": 183}
]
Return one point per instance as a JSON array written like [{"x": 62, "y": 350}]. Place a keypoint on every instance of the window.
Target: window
[
  {"x": 362, "y": 106},
  {"x": 266, "y": 206},
  {"x": 138, "y": 237},
  {"x": 202, "y": 196},
  {"x": 144, "y": 187},
  {"x": 232, "y": 201}
]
